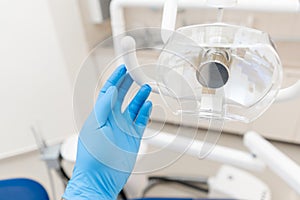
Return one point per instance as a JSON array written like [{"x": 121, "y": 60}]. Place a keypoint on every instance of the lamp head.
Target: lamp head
[{"x": 237, "y": 65}]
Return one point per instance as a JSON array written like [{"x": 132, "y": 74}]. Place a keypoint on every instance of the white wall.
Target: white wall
[
  {"x": 70, "y": 33},
  {"x": 36, "y": 73}
]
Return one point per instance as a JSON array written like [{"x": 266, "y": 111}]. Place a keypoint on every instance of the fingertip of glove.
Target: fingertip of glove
[
  {"x": 147, "y": 88},
  {"x": 122, "y": 68}
]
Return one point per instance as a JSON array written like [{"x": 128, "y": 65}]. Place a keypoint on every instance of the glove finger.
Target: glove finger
[
  {"x": 144, "y": 114},
  {"x": 137, "y": 102},
  {"x": 114, "y": 79},
  {"x": 105, "y": 104},
  {"x": 123, "y": 89}
]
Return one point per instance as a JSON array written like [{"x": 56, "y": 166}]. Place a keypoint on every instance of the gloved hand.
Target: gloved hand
[{"x": 109, "y": 141}]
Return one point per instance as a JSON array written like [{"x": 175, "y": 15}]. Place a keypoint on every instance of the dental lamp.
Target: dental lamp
[{"x": 218, "y": 70}]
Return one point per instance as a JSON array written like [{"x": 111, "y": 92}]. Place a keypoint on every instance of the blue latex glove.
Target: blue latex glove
[{"x": 109, "y": 141}]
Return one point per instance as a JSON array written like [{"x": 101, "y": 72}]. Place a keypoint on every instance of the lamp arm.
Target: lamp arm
[
  {"x": 168, "y": 19},
  {"x": 289, "y": 93},
  {"x": 277, "y": 161},
  {"x": 192, "y": 147}
]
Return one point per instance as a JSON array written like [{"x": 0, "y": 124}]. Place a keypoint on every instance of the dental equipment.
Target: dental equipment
[
  {"x": 168, "y": 23},
  {"x": 219, "y": 153},
  {"x": 118, "y": 28},
  {"x": 277, "y": 161},
  {"x": 118, "y": 19},
  {"x": 231, "y": 182},
  {"x": 51, "y": 156}
]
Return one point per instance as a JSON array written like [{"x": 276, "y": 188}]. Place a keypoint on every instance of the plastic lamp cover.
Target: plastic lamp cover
[{"x": 219, "y": 71}]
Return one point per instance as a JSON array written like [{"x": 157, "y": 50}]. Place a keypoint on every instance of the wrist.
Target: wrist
[{"x": 84, "y": 186}]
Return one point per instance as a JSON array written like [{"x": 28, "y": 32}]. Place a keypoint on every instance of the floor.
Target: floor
[{"x": 29, "y": 165}]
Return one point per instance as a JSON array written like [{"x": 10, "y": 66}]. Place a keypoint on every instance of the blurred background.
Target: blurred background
[{"x": 42, "y": 46}]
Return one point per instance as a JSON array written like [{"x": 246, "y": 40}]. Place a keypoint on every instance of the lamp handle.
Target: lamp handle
[{"x": 128, "y": 47}]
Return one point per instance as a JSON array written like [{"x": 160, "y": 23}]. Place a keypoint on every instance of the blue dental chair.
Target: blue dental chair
[{"x": 22, "y": 189}]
